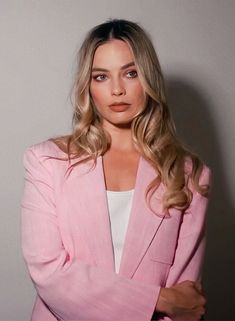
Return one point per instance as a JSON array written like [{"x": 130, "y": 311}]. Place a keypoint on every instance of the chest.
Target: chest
[
  {"x": 120, "y": 171},
  {"x": 84, "y": 223}
]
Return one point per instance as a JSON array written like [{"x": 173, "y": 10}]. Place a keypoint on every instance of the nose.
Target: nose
[{"x": 118, "y": 88}]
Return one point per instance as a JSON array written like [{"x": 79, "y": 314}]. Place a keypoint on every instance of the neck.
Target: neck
[{"x": 121, "y": 137}]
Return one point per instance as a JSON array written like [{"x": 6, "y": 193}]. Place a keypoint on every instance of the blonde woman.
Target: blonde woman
[{"x": 113, "y": 215}]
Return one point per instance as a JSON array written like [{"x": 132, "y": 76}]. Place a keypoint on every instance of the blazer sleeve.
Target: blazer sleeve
[
  {"x": 72, "y": 289},
  {"x": 191, "y": 242}
]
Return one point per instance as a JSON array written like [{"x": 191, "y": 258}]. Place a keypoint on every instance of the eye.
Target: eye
[
  {"x": 132, "y": 74},
  {"x": 100, "y": 77}
]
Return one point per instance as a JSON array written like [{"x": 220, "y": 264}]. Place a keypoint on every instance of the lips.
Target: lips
[{"x": 119, "y": 107}]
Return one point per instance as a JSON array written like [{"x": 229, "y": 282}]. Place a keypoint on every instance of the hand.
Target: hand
[{"x": 182, "y": 302}]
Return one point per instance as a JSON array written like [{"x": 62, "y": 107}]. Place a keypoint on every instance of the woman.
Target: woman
[{"x": 113, "y": 215}]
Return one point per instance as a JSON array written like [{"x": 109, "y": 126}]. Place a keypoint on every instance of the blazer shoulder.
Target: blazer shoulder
[
  {"x": 46, "y": 148},
  {"x": 206, "y": 173},
  {"x": 42, "y": 156}
]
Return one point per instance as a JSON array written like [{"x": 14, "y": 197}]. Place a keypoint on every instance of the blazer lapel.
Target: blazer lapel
[
  {"x": 89, "y": 185},
  {"x": 143, "y": 223}
]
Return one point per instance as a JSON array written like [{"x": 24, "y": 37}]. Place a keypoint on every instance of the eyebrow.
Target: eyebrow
[{"x": 122, "y": 67}]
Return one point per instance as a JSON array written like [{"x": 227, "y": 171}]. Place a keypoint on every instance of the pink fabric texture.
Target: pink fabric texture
[{"x": 67, "y": 243}]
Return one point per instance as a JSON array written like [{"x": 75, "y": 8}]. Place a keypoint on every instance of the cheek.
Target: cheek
[
  {"x": 94, "y": 92},
  {"x": 97, "y": 94},
  {"x": 138, "y": 94}
]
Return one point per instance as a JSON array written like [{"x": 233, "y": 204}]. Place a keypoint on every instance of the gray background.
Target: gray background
[{"x": 195, "y": 43}]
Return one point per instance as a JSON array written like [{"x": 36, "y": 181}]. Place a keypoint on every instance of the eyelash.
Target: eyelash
[
  {"x": 101, "y": 75},
  {"x": 131, "y": 71}
]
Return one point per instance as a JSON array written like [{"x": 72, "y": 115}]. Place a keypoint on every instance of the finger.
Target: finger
[
  {"x": 188, "y": 283},
  {"x": 199, "y": 288}
]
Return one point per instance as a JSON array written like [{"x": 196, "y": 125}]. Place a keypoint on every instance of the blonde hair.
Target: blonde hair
[{"x": 153, "y": 130}]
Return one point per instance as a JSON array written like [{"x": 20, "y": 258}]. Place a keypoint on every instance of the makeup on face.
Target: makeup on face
[{"x": 115, "y": 87}]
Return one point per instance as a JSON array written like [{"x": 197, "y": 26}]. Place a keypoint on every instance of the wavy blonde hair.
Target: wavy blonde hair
[{"x": 153, "y": 130}]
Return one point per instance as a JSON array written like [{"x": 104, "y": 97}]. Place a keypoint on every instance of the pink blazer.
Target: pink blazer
[{"x": 67, "y": 244}]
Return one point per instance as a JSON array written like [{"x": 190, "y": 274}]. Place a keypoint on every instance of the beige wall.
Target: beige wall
[{"x": 195, "y": 43}]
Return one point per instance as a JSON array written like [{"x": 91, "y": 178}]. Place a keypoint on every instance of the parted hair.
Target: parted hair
[{"x": 153, "y": 129}]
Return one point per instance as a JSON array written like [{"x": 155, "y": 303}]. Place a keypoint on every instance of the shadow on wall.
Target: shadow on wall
[{"x": 191, "y": 110}]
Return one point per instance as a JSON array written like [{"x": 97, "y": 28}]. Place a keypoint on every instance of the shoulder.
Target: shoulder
[
  {"x": 43, "y": 156},
  {"x": 205, "y": 172},
  {"x": 50, "y": 155},
  {"x": 47, "y": 148}
]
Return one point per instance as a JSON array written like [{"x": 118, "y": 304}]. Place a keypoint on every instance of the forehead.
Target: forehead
[{"x": 112, "y": 54}]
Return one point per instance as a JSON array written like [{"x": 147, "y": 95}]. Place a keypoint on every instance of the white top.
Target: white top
[{"x": 119, "y": 204}]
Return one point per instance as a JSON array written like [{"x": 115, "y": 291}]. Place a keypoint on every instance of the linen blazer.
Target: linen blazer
[{"x": 67, "y": 242}]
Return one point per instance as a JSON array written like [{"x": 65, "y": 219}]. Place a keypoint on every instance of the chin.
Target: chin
[
  {"x": 124, "y": 122},
  {"x": 120, "y": 122}
]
